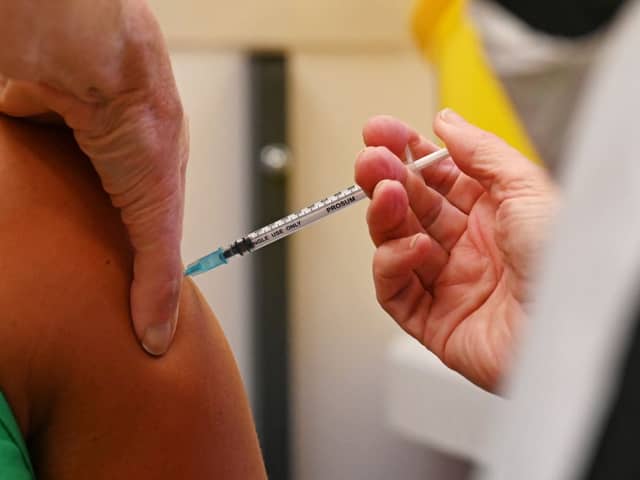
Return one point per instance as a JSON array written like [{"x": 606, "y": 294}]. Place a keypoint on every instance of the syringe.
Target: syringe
[{"x": 295, "y": 222}]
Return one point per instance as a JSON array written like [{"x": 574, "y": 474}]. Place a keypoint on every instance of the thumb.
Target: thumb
[
  {"x": 482, "y": 155},
  {"x": 155, "y": 294},
  {"x": 155, "y": 234}
]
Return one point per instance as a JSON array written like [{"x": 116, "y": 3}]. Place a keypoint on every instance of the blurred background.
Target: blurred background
[{"x": 277, "y": 93}]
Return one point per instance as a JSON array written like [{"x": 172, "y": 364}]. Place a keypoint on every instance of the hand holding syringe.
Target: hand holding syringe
[{"x": 295, "y": 222}]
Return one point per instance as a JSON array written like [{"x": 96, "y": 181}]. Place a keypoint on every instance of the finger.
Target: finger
[
  {"x": 441, "y": 220},
  {"x": 388, "y": 215},
  {"x": 399, "y": 276},
  {"x": 18, "y": 99},
  {"x": 386, "y": 131},
  {"x": 482, "y": 155},
  {"x": 391, "y": 220},
  {"x": 150, "y": 195},
  {"x": 155, "y": 291},
  {"x": 44, "y": 103},
  {"x": 444, "y": 222},
  {"x": 375, "y": 164},
  {"x": 444, "y": 176}
]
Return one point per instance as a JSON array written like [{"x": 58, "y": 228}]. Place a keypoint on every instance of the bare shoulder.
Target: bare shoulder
[{"x": 89, "y": 400}]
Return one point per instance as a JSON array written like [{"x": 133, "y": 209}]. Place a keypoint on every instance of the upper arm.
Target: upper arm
[
  {"x": 90, "y": 401},
  {"x": 118, "y": 413}
]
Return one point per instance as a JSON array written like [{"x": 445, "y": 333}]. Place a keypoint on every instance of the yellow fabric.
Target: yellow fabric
[{"x": 467, "y": 84}]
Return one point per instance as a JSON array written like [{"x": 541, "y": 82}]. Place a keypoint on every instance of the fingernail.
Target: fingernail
[
  {"x": 451, "y": 117},
  {"x": 157, "y": 338},
  {"x": 414, "y": 240}
]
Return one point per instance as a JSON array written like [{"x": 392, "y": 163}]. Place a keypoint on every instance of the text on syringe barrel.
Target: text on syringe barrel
[{"x": 294, "y": 222}]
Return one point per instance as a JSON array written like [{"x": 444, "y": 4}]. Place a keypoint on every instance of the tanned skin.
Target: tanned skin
[{"x": 89, "y": 401}]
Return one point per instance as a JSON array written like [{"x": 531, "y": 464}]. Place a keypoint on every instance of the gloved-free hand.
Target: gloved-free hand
[
  {"x": 456, "y": 243},
  {"x": 118, "y": 94}
]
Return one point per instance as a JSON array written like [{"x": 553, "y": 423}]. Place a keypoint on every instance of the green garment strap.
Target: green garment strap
[{"x": 14, "y": 457}]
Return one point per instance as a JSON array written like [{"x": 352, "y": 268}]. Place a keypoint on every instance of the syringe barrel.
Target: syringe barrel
[{"x": 297, "y": 221}]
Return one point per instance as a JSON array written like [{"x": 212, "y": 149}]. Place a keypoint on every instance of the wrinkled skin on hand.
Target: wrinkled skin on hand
[
  {"x": 119, "y": 97},
  {"x": 457, "y": 242}
]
